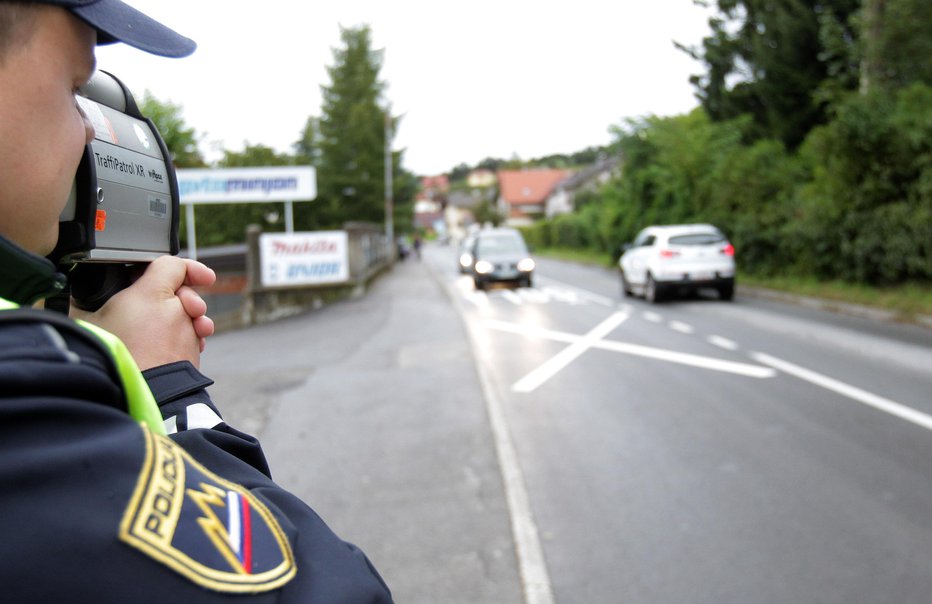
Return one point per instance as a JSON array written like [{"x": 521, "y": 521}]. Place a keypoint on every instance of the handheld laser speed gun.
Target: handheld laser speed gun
[{"x": 123, "y": 207}]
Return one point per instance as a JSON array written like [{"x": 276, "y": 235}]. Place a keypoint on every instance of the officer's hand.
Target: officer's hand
[{"x": 160, "y": 318}]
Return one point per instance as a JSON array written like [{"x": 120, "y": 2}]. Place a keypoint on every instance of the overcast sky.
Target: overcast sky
[{"x": 485, "y": 78}]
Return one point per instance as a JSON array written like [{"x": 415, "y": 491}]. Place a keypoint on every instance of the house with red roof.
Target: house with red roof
[{"x": 522, "y": 194}]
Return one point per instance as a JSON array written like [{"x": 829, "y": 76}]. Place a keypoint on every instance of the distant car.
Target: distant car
[
  {"x": 668, "y": 260},
  {"x": 464, "y": 259},
  {"x": 500, "y": 255}
]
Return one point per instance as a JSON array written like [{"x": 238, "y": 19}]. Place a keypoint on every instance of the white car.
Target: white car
[{"x": 667, "y": 260}]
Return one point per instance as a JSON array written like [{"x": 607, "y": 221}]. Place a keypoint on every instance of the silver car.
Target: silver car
[
  {"x": 464, "y": 259},
  {"x": 500, "y": 255},
  {"x": 667, "y": 260}
]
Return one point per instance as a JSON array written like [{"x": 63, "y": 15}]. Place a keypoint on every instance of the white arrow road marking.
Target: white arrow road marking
[
  {"x": 594, "y": 339},
  {"x": 862, "y": 396}
]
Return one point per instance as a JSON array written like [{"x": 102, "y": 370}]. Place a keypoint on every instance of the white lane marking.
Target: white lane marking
[
  {"x": 681, "y": 327},
  {"x": 670, "y": 356},
  {"x": 722, "y": 342},
  {"x": 862, "y": 396},
  {"x": 531, "y": 331},
  {"x": 555, "y": 364},
  {"x": 530, "y": 553},
  {"x": 528, "y": 549},
  {"x": 512, "y": 297},
  {"x": 653, "y": 317},
  {"x": 584, "y": 294},
  {"x": 693, "y": 360},
  {"x": 560, "y": 294},
  {"x": 480, "y": 299}
]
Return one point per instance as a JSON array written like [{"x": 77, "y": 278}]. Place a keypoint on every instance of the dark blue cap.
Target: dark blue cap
[{"x": 117, "y": 21}]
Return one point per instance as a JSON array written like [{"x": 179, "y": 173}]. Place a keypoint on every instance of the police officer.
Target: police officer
[{"x": 97, "y": 503}]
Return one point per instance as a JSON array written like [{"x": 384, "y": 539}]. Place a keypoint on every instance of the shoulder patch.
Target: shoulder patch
[{"x": 212, "y": 531}]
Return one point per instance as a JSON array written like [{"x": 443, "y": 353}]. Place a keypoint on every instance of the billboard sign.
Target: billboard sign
[
  {"x": 236, "y": 185},
  {"x": 313, "y": 258}
]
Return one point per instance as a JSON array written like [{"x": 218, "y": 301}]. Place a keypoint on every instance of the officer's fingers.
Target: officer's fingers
[
  {"x": 192, "y": 302},
  {"x": 199, "y": 275},
  {"x": 204, "y": 328},
  {"x": 165, "y": 274}
]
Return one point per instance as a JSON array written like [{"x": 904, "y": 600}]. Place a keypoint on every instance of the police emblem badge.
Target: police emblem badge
[{"x": 212, "y": 531}]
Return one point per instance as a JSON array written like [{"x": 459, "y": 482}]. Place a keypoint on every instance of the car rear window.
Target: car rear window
[
  {"x": 697, "y": 239},
  {"x": 501, "y": 245}
]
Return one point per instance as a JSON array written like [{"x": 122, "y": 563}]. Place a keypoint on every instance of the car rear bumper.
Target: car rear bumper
[{"x": 716, "y": 280}]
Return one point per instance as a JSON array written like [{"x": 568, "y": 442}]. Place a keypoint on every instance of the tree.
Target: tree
[
  {"x": 226, "y": 223},
  {"x": 348, "y": 142},
  {"x": 179, "y": 138},
  {"x": 897, "y": 43},
  {"x": 767, "y": 58}
]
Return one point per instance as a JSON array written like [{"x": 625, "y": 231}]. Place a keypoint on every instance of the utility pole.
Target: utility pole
[{"x": 389, "y": 209}]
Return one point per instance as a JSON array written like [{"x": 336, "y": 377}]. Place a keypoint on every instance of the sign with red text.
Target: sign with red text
[{"x": 313, "y": 258}]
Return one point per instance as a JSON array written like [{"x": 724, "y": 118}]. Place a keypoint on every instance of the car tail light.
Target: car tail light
[
  {"x": 668, "y": 254},
  {"x": 729, "y": 250}
]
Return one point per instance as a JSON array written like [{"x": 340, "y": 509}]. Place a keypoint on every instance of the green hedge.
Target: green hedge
[{"x": 854, "y": 203}]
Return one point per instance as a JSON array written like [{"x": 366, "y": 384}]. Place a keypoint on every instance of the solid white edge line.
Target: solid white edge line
[
  {"x": 530, "y": 553},
  {"x": 532, "y": 566},
  {"x": 862, "y": 396}
]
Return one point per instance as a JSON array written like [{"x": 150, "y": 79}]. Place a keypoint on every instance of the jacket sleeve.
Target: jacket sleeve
[
  {"x": 324, "y": 561},
  {"x": 94, "y": 508}
]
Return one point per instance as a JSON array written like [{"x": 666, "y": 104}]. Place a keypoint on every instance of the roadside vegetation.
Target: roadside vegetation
[
  {"x": 817, "y": 163},
  {"x": 811, "y": 149},
  {"x": 907, "y": 301}
]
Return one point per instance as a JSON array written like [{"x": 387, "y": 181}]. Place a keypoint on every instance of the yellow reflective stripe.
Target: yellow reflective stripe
[{"x": 142, "y": 405}]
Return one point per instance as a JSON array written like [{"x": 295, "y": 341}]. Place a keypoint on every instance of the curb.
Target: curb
[{"x": 844, "y": 308}]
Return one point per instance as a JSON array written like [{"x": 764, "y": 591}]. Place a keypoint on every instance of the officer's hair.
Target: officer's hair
[{"x": 17, "y": 22}]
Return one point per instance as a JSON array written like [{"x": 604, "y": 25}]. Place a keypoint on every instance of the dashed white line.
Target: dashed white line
[
  {"x": 722, "y": 342},
  {"x": 681, "y": 327},
  {"x": 852, "y": 392},
  {"x": 653, "y": 317}
]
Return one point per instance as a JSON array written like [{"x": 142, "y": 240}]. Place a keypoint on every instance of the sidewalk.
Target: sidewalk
[{"x": 372, "y": 411}]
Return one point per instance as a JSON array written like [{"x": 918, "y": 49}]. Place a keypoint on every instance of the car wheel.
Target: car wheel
[
  {"x": 625, "y": 288},
  {"x": 526, "y": 282},
  {"x": 652, "y": 291},
  {"x": 727, "y": 292},
  {"x": 479, "y": 284}
]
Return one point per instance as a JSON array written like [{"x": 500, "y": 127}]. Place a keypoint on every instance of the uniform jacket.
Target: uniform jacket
[{"x": 95, "y": 507}]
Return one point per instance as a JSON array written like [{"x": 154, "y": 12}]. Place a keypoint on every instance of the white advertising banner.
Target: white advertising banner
[
  {"x": 236, "y": 185},
  {"x": 304, "y": 258}
]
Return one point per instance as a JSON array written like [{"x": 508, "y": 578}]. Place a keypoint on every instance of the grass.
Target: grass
[{"x": 907, "y": 301}]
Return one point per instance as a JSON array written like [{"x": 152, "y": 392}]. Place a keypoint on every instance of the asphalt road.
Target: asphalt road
[{"x": 563, "y": 444}]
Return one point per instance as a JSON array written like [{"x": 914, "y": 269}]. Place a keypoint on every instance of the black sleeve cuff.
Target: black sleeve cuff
[{"x": 174, "y": 381}]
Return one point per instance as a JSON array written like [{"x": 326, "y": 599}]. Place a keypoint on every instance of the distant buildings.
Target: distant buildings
[{"x": 520, "y": 196}]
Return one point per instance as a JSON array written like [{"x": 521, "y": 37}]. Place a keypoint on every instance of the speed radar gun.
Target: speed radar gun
[{"x": 123, "y": 209}]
